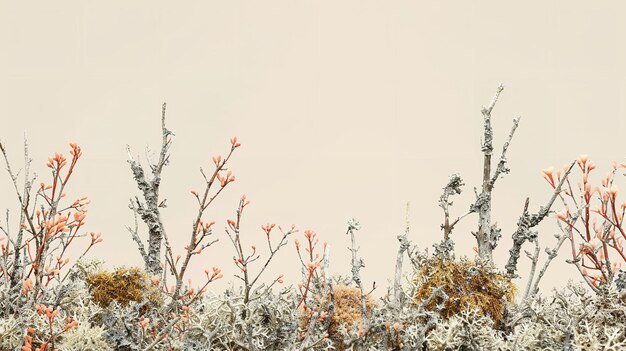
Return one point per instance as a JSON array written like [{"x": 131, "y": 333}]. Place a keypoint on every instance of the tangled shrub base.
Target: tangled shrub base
[{"x": 572, "y": 318}]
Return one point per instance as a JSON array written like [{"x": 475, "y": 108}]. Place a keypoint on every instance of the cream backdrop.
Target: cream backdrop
[{"x": 343, "y": 108}]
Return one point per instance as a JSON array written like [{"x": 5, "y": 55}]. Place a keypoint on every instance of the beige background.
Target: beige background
[{"x": 344, "y": 109}]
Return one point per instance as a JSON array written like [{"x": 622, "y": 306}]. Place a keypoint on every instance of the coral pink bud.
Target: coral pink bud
[
  {"x": 267, "y": 228},
  {"x": 26, "y": 286},
  {"x": 547, "y": 175},
  {"x": 217, "y": 159},
  {"x": 591, "y": 166},
  {"x": 244, "y": 201},
  {"x": 322, "y": 316},
  {"x": 222, "y": 180},
  {"x": 234, "y": 143},
  {"x": 312, "y": 265},
  {"x": 562, "y": 215},
  {"x": 143, "y": 322},
  {"x": 548, "y": 171},
  {"x": 71, "y": 325}
]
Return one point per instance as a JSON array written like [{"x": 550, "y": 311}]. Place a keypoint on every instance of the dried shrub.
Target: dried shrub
[
  {"x": 595, "y": 227},
  {"x": 123, "y": 285},
  {"x": 468, "y": 284}
]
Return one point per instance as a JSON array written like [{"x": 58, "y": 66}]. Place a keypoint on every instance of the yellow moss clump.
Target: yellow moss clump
[
  {"x": 348, "y": 307},
  {"x": 468, "y": 284},
  {"x": 122, "y": 285},
  {"x": 347, "y": 310}
]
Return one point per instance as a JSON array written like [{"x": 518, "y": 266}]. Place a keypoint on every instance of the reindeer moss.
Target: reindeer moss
[
  {"x": 122, "y": 285},
  {"x": 468, "y": 284}
]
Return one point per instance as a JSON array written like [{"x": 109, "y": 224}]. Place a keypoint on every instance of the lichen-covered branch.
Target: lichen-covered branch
[
  {"x": 527, "y": 221},
  {"x": 488, "y": 235},
  {"x": 357, "y": 263},
  {"x": 452, "y": 188},
  {"x": 405, "y": 244},
  {"x": 24, "y": 200},
  {"x": 148, "y": 210}
]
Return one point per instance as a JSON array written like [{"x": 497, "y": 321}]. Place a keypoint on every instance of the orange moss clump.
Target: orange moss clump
[
  {"x": 468, "y": 284},
  {"x": 122, "y": 285},
  {"x": 347, "y": 311}
]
